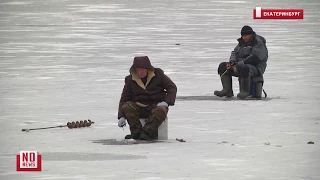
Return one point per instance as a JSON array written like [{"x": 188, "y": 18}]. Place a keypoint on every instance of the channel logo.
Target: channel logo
[
  {"x": 280, "y": 14},
  {"x": 28, "y": 161}
]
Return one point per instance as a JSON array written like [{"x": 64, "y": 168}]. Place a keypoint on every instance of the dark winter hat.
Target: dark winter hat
[
  {"x": 246, "y": 30},
  {"x": 141, "y": 62}
]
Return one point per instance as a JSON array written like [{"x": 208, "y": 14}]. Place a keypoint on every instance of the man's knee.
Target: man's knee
[
  {"x": 130, "y": 107},
  {"x": 244, "y": 71},
  {"x": 160, "y": 112},
  {"x": 222, "y": 67},
  {"x": 248, "y": 70}
]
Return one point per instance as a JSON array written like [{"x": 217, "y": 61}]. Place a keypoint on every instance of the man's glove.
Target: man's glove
[
  {"x": 240, "y": 63},
  {"x": 232, "y": 62},
  {"x": 122, "y": 122},
  {"x": 163, "y": 104}
]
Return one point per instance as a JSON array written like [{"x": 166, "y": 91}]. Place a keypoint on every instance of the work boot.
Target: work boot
[
  {"x": 132, "y": 136},
  {"x": 244, "y": 88},
  {"x": 154, "y": 136},
  {"x": 145, "y": 136},
  {"x": 227, "y": 87}
]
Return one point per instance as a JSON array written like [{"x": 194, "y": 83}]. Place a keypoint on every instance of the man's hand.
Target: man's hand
[
  {"x": 240, "y": 63},
  {"x": 163, "y": 104},
  {"x": 232, "y": 62},
  {"x": 122, "y": 122}
]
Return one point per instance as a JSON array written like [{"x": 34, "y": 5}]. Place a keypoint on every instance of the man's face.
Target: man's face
[
  {"x": 141, "y": 72},
  {"x": 247, "y": 38}
]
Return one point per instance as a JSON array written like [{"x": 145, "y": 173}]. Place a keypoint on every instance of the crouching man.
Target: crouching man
[
  {"x": 147, "y": 93},
  {"x": 247, "y": 60}
]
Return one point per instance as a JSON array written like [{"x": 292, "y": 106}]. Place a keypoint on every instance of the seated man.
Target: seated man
[
  {"x": 248, "y": 59},
  {"x": 147, "y": 93}
]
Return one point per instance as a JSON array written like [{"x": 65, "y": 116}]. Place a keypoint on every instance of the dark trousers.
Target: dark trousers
[
  {"x": 247, "y": 70},
  {"x": 155, "y": 116}
]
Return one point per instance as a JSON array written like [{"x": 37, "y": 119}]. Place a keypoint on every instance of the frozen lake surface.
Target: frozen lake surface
[{"x": 63, "y": 61}]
